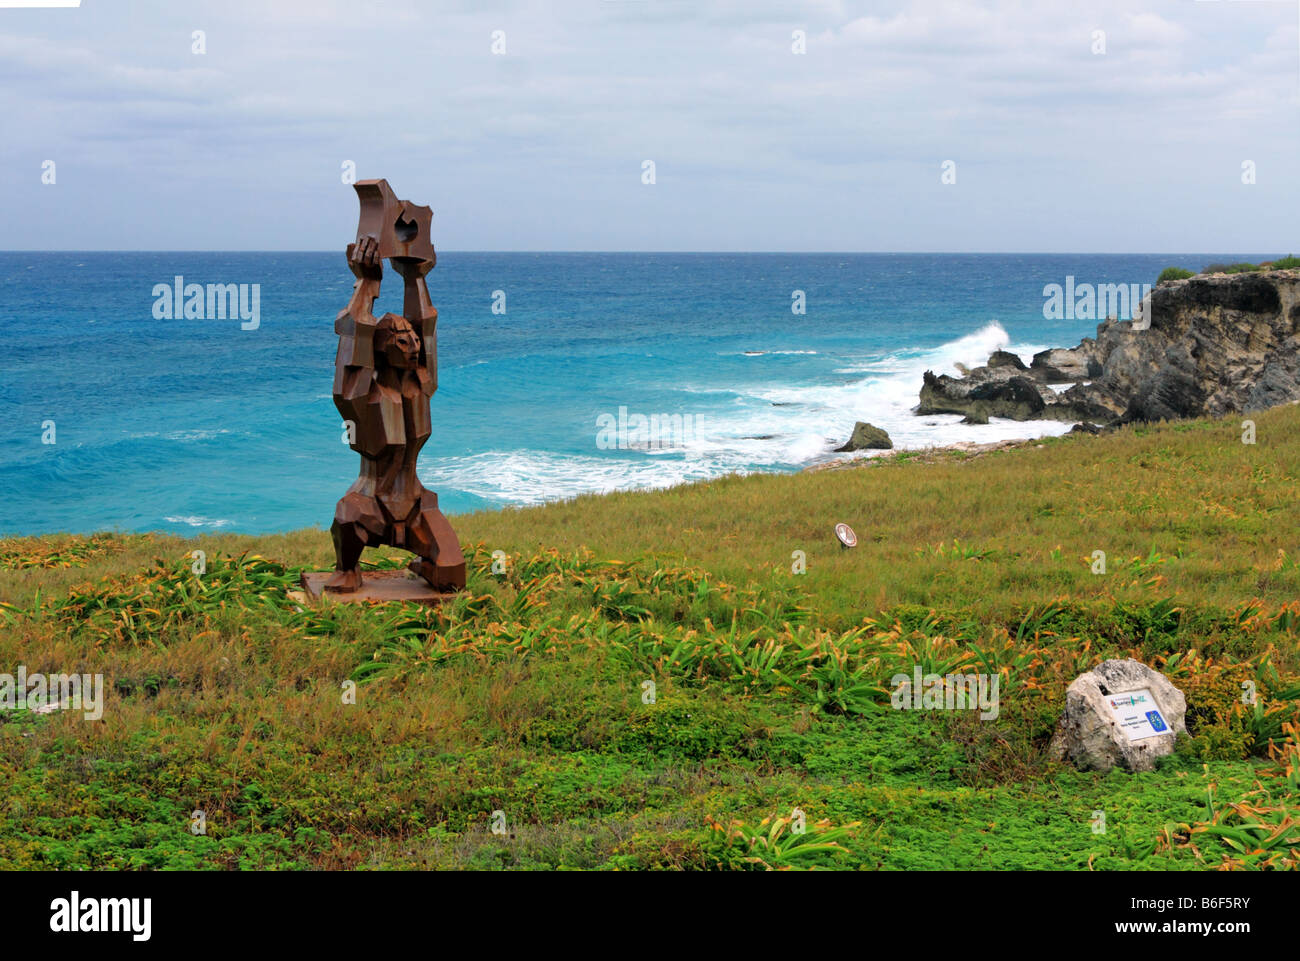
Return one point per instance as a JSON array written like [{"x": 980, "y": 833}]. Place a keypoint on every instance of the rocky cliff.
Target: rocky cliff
[{"x": 1207, "y": 346}]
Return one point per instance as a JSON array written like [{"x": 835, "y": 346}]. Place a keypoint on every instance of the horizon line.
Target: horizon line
[{"x": 800, "y": 253}]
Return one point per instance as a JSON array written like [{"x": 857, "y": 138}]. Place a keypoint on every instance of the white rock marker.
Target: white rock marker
[{"x": 1119, "y": 713}]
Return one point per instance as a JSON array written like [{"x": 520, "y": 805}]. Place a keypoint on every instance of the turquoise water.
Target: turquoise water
[{"x": 197, "y": 424}]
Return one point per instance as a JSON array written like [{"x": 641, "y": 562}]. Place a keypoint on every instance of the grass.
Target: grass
[{"x": 390, "y": 737}]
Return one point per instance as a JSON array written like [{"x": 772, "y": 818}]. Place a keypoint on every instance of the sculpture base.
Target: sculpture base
[{"x": 376, "y": 587}]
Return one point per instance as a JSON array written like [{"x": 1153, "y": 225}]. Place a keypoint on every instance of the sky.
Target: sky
[{"x": 529, "y": 125}]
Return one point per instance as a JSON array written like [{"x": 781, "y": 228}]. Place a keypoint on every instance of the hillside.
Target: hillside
[{"x": 525, "y": 694}]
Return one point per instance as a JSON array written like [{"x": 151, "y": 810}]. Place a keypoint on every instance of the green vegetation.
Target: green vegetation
[
  {"x": 1242, "y": 268},
  {"x": 527, "y": 694},
  {"x": 1290, "y": 262}
]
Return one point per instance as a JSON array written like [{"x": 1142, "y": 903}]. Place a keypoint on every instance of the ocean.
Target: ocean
[{"x": 594, "y": 372}]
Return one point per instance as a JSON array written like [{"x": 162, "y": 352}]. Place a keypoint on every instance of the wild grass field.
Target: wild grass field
[{"x": 363, "y": 737}]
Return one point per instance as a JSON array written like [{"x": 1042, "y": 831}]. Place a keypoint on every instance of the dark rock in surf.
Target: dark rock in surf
[
  {"x": 1004, "y": 358},
  {"x": 866, "y": 437}
]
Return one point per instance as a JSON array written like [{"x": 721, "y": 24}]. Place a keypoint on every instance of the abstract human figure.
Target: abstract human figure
[{"x": 384, "y": 375}]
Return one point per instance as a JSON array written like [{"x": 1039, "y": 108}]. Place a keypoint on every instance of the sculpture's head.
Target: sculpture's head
[{"x": 397, "y": 342}]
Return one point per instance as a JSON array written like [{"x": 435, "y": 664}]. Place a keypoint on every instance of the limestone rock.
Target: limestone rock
[
  {"x": 1061, "y": 366},
  {"x": 1087, "y": 734},
  {"x": 1209, "y": 346}
]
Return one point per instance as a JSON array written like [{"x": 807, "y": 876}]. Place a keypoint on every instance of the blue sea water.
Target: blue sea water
[{"x": 200, "y": 425}]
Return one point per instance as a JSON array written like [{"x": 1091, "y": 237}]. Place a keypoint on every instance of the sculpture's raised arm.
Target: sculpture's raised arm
[
  {"x": 354, "y": 365},
  {"x": 356, "y": 322},
  {"x": 419, "y": 310}
]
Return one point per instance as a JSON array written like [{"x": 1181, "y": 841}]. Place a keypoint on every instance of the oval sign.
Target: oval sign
[{"x": 846, "y": 536}]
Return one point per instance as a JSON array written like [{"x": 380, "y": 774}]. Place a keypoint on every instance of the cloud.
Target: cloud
[{"x": 549, "y": 138}]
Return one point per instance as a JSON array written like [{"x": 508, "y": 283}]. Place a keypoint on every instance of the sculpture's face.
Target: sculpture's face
[{"x": 398, "y": 343}]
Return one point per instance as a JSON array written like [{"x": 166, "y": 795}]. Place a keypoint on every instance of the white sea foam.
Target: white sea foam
[
  {"x": 800, "y": 424},
  {"x": 199, "y": 521},
  {"x": 741, "y": 428},
  {"x": 770, "y": 353},
  {"x": 184, "y": 436},
  {"x": 196, "y": 434},
  {"x": 533, "y": 477}
]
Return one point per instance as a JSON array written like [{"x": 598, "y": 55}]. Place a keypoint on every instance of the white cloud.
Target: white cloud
[{"x": 550, "y": 138}]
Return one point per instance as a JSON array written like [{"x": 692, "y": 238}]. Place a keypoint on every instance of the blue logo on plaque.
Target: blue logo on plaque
[{"x": 1157, "y": 722}]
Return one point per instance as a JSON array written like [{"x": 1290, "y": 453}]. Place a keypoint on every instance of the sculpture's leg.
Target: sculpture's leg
[
  {"x": 439, "y": 560},
  {"x": 358, "y": 521}
]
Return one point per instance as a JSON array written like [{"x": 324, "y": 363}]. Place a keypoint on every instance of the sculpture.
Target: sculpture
[{"x": 385, "y": 372}]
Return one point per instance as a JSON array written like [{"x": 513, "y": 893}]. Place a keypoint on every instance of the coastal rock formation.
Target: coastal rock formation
[
  {"x": 866, "y": 437},
  {"x": 1004, "y": 358},
  {"x": 1061, "y": 366},
  {"x": 1090, "y": 736},
  {"x": 1207, "y": 346},
  {"x": 991, "y": 392}
]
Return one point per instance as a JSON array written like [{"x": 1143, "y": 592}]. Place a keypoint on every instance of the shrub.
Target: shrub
[
  {"x": 1289, "y": 262},
  {"x": 1174, "y": 273},
  {"x": 1242, "y": 268},
  {"x": 769, "y": 846}
]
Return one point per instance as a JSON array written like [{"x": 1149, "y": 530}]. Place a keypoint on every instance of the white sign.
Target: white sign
[{"x": 1137, "y": 714}]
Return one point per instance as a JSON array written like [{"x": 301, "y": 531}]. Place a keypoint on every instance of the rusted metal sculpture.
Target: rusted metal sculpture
[{"x": 384, "y": 375}]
